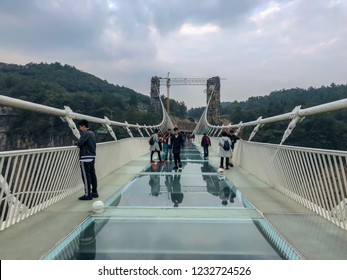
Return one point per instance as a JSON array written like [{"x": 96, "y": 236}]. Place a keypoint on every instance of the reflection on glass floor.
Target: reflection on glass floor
[
  {"x": 176, "y": 189},
  {"x": 172, "y": 239},
  {"x": 162, "y": 213}
]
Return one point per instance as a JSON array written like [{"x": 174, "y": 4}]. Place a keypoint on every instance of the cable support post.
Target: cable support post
[
  {"x": 295, "y": 119},
  {"x": 255, "y": 130},
  {"x": 239, "y": 128},
  {"x": 16, "y": 208},
  {"x": 216, "y": 131},
  {"x": 146, "y": 129},
  {"x": 139, "y": 130},
  {"x": 69, "y": 119},
  {"x": 107, "y": 125},
  {"x": 128, "y": 130}
]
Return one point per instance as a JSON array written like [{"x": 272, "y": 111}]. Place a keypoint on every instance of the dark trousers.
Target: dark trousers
[
  {"x": 158, "y": 155},
  {"x": 168, "y": 152},
  {"x": 205, "y": 151},
  {"x": 226, "y": 162},
  {"x": 177, "y": 159},
  {"x": 89, "y": 177}
]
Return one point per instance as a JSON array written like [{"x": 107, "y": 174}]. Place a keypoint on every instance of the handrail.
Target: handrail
[
  {"x": 69, "y": 115},
  {"x": 295, "y": 116},
  {"x": 315, "y": 178},
  {"x": 32, "y": 180}
]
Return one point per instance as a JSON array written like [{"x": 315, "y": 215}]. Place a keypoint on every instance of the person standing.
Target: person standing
[
  {"x": 168, "y": 142},
  {"x": 177, "y": 143},
  {"x": 205, "y": 143},
  {"x": 233, "y": 138},
  {"x": 224, "y": 144},
  {"x": 154, "y": 145},
  {"x": 87, "y": 145}
]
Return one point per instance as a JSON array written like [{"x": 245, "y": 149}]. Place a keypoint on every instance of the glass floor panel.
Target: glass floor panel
[
  {"x": 179, "y": 190},
  {"x": 187, "y": 167},
  {"x": 193, "y": 213},
  {"x": 119, "y": 238}
]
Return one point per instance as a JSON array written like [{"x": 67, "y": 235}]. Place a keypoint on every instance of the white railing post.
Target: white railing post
[
  {"x": 107, "y": 125},
  {"x": 69, "y": 119}
]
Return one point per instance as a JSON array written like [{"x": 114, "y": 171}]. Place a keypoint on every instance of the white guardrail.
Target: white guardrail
[
  {"x": 315, "y": 178},
  {"x": 32, "y": 180}
]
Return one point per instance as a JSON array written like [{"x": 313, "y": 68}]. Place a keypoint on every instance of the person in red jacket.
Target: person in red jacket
[{"x": 205, "y": 143}]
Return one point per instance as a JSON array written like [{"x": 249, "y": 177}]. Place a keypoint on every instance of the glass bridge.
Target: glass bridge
[
  {"x": 277, "y": 202},
  {"x": 161, "y": 213}
]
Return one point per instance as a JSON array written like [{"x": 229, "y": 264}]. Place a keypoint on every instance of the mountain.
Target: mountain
[
  {"x": 57, "y": 85},
  {"x": 325, "y": 131}
]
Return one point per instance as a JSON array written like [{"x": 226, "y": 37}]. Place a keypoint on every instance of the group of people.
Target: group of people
[
  {"x": 171, "y": 143},
  {"x": 226, "y": 145}
]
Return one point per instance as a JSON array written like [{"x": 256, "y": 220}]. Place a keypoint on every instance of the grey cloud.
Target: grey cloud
[
  {"x": 43, "y": 27},
  {"x": 302, "y": 44},
  {"x": 171, "y": 15}
]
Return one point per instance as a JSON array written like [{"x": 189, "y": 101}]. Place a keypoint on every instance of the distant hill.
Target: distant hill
[
  {"x": 326, "y": 131},
  {"x": 58, "y": 85},
  {"x": 46, "y": 78}
]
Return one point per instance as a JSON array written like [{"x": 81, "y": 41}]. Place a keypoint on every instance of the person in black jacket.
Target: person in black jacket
[
  {"x": 177, "y": 142},
  {"x": 87, "y": 145}
]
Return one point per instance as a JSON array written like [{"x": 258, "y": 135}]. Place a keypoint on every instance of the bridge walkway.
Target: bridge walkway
[{"x": 311, "y": 235}]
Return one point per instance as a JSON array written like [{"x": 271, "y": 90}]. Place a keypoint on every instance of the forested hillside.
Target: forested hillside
[
  {"x": 326, "y": 131},
  {"x": 57, "y": 85}
]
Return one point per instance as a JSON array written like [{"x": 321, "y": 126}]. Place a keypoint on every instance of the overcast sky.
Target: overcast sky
[{"x": 258, "y": 46}]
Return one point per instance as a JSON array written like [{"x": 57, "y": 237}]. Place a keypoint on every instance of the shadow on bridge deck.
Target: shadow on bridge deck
[{"x": 311, "y": 235}]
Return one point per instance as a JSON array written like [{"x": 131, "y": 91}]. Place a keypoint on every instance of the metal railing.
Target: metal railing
[
  {"x": 315, "y": 178},
  {"x": 69, "y": 116},
  {"x": 32, "y": 180},
  {"x": 296, "y": 116}
]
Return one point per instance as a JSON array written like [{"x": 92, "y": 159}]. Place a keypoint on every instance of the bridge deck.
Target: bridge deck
[{"x": 311, "y": 235}]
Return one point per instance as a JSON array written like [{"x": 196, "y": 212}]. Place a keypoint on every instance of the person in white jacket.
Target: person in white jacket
[
  {"x": 155, "y": 147},
  {"x": 224, "y": 150}
]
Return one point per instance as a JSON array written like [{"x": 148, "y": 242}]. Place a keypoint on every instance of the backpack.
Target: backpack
[
  {"x": 151, "y": 141},
  {"x": 226, "y": 145}
]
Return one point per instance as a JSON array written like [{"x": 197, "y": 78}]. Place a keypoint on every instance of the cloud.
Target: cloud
[
  {"x": 257, "y": 45},
  {"x": 189, "y": 29}
]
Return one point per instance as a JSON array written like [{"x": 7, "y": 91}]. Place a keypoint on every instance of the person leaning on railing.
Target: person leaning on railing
[
  {"x": 87, "y": 145},
  {"x": 233, "y": 138}
]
